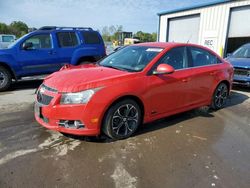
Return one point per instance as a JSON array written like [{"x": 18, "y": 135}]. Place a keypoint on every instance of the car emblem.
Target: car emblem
[{"x": 42, "y": 90}]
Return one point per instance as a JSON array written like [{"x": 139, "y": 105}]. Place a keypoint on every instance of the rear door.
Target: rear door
[
  {"x": 39, "y": 59},
  {"x": 67, "y": 42},
  {"x": 203, "y": 70}
]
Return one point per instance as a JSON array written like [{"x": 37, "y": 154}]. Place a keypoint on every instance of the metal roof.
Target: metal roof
[{"x": 203, "y": 5}]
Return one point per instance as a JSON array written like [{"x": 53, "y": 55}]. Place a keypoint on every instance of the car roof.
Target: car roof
[{"x": 166, "y": 44}]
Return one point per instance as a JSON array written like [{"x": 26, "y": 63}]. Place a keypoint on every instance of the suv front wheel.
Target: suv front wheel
[{"x": 5, "y": 79}]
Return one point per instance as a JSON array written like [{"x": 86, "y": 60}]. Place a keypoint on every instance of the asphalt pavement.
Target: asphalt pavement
[{"x": 195, "y": 149}]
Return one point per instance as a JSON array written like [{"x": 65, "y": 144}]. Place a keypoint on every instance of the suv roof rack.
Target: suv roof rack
[{"x": 64, "y": 28}]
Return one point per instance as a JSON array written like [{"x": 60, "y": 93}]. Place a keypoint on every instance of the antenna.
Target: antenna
[{"x": 189, "y": 38}]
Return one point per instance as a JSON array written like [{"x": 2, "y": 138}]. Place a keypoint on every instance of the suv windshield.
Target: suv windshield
[
  {"x": 131, "y": 58},
  {"x": 242, "y": 52}
]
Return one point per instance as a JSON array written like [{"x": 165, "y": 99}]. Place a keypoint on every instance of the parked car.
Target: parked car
[
  {"x": 135, "y": 85},
  {"x": 46, "y": 50},
  {"x": 240, "y": 60},
  {"x": 6, "y": 40}
]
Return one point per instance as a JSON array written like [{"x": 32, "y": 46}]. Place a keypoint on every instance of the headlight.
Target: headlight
[{"x": 78, "y": 98}]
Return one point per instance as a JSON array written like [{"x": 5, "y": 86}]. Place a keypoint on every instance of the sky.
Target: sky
[{"x": 133, "y": 15}]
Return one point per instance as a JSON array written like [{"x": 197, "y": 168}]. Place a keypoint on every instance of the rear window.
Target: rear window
[
  {"x": 91, "y": 37},
  {"x": 67, "y": 39}
]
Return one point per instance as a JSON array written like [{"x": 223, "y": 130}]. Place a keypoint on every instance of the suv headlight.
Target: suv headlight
[{"x": 79, "y": 97}]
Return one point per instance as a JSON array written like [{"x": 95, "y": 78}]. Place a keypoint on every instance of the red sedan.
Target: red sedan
[{"x": 135, "y": 85}]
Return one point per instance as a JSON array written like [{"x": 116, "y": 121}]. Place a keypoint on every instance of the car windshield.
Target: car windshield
[
  {"x": 131, "y": 58},
  {"x": 242, "y": 52}
]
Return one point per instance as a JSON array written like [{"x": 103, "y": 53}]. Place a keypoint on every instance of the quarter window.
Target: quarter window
[
  {"x": 41, "y": 41},
  {"x": 200, "y": 57},
  {"x": 91, "y": 37},
  {"x": 176, "y": 58},
  {"x": 67, "y": 39}
]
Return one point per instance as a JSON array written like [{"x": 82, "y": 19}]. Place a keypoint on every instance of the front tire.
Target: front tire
[
  {"x": 122, "y": 119},
  {"x": 220, "y": 96},
  {"x": 5, "y": 79}
]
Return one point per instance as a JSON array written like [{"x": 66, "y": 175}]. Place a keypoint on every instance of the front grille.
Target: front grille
[
  {"x": 241, "y": 72},
  {"x": 43, "y": 99}
]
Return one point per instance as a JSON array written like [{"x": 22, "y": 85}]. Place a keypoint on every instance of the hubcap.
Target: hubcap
[
  {"x": 2, "y": 78},
  {"x": 221, "y": 96},
  {"x": 125, "y": 120}
]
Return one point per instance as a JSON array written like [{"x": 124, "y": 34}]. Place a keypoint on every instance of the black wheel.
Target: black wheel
[
  {"x": 122, "y": 119},
  {"x": 5, "y": 79},
  {"x": 220, "y": 96}
]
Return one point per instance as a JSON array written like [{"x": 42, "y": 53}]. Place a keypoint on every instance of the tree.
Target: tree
[
  {"x": 4, "y": 29},
  {"x": 146, "y": 37},
  {"x": 18, "y": 28}
]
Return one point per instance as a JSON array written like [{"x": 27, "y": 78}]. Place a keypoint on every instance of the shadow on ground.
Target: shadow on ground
[{"x": 26, "y": 84}]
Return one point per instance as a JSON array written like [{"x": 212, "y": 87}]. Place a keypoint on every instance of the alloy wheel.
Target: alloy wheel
[
  {"x": 125, "y": 120},
  {"x": 221, "y": 96},
  {"x": 2, "y": 78}
]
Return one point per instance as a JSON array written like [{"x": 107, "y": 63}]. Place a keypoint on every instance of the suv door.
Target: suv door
[
  {"x": 204, "y": 66},
  {"x": 169, "y": 92},
  {"x": 38, "y": 58},
  {"x": 67, "y": 42}
]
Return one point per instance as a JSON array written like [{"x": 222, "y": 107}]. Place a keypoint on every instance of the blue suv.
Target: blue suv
[{"x": 46, "y": 50}]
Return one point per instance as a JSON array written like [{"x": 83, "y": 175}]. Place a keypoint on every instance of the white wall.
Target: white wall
[{"x": 214, "y": 22}]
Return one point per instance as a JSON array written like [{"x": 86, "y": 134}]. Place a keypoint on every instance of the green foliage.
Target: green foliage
[
  {"x": 146, "y": 37},
  {"x": 17, "y": 28},
  {"x": 110, "y": 33}
]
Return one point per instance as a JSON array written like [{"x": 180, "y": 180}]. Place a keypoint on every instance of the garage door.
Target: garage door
[
  {"x": 184, "y": 29},
  {"x": 240, "y": 22},
  {"x": 239, "y": 28}
]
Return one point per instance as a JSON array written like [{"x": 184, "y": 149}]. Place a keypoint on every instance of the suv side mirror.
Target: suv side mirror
[
  {"x": 27, "y": 45},
  {"x": 163, "y": 69},
  {"x": 229, "y": 54}
]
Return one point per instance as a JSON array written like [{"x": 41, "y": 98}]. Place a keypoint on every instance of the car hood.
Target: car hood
[
  {"x": 83, "y": 78},
  {"x": 240, "y": 62},
  {"x": 4, "y": 51}
]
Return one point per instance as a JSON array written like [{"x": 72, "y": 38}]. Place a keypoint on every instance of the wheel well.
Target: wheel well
[
  {"x": 9, "y": 69},
  {"x": 86, "y": 58}
]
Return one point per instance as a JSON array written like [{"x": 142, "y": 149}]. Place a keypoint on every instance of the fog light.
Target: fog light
[{"x": 72, "y": 124}]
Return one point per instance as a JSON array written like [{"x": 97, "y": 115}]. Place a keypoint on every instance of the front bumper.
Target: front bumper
[
  {"x": 50, "y": 116},
  {"x": 241, "y": 80}
]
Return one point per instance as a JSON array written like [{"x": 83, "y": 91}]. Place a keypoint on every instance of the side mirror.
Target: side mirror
[
  {"x": 229, "y": 54},
  {"x": 27, "y": 45},
  {"x": 163, "y": 69}
]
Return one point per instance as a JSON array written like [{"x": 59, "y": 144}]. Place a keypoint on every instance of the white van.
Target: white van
[{"x": 6, "y": 40}]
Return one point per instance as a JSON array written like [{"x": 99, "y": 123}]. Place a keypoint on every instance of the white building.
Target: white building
[{"x": 223, "y": 25}]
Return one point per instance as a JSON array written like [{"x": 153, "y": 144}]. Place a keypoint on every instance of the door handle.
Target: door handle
[
  {"x": 51, "y": 52},
  {"x": 185, "y": 79},
  {"x": 212, "y": 73}
]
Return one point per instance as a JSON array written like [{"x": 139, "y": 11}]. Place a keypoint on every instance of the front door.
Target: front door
[
  {"x": 169, "y": 92},
  {"x": 40, "y": 58}
]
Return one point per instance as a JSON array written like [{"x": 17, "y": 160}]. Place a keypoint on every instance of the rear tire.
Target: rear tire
[
  {"x": 122, "y": 119},
  {"x": 220, "y": 96},
  {"x": 5, "y": 79}
]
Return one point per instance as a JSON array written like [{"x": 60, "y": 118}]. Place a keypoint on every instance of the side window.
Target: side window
[
  {"x": 41, "y": 41},
  {"x": 200, "y": 57},
  {"x": 176, "y": 58},
  {"x": 67, "y": 39},
  {"x": 91, "y": 37}
]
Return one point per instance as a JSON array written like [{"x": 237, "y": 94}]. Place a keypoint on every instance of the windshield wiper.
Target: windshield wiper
[{"x": 114, "y": 67}]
